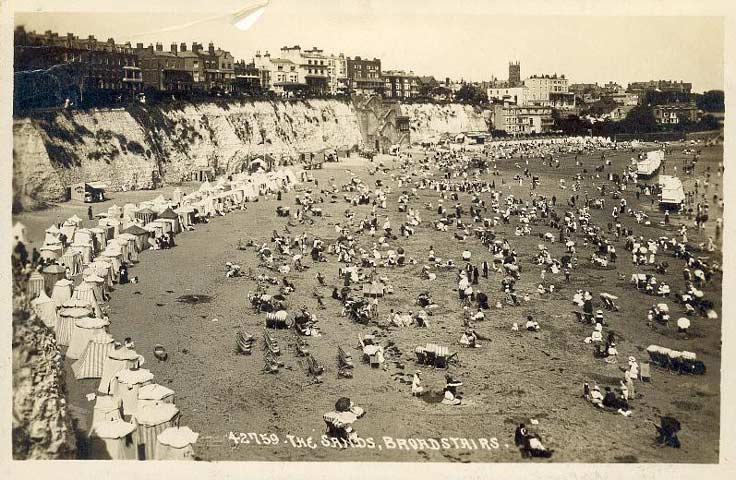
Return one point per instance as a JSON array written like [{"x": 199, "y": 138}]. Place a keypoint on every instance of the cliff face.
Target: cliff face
[
  {"x": 143, "y": 146},
  {"x": 42, "y": 425},
  {"x": 430, "y": 120},
  {"x": 140, "y": 146}
]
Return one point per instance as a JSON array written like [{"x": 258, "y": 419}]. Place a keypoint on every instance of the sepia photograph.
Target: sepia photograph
[{"x": 365, "y": 232}]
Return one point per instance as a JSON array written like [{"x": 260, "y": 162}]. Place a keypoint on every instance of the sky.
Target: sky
[{"x": 463, "y": 39}]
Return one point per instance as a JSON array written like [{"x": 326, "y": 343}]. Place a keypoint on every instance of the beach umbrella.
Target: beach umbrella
[
  {"x": 662, "y": 307},
  {"x": 683, "y": 323}
]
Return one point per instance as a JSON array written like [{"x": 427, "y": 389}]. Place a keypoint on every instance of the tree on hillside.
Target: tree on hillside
[
  {"x": 471, "y": 94},
  {"x": 711, "y": 101},
  {"x": 570, "y": 124},
  {"x": 602, "y": 106},
  {"x": 639, "y": 120}
]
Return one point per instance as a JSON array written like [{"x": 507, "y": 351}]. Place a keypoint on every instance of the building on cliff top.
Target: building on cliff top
[{"x": 53, "y": 70}]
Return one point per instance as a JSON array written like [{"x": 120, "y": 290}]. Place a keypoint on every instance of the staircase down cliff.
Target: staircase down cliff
[{"x": 142, "y": 146}]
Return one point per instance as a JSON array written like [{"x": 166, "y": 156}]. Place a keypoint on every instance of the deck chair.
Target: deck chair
[
  {"x": 645, "y": 373},
  {"x": 344, "y": 358},
  {"x": 314, "y": 367},
  {"x": 244, "y": 342},
  {"x": 271, "y": 364},
  {"x": 272, "y": 346},
  {"x": 302, "y": 347}
]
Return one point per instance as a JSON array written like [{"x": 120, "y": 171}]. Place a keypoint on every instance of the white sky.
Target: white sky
[{"x": 464, "y": 39}]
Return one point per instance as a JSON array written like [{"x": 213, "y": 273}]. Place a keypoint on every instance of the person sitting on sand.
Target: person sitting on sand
[
  {"x": 531, "y": 325},
  {"x": 416, "y": 384}
]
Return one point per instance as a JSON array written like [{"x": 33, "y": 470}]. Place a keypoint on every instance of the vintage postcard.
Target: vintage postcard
[{"x": 336, "y": 236}]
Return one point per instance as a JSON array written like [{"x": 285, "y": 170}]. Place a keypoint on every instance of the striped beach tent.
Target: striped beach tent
[
  {"x": 68, "y": 228},
  {"x": 51, "y": 274},
  {"x": 85, "y": 251},
  {"x": 176, "y": 443},
  {"x": 45, "y": 308},
  {"x": 102, "y": 269},
  {"x": 65, "y": 325},
  {"x": 113, "y": 256},
  {"x": 152, "y": 420},
  {"x": 83, "y": 331},
  {"x": 86, "y": 293},
  {"x": 62, "y": 291},
  {"x": 113, "y": 440},
  {"x": 51, "y": 251},
  {"x": 36, "y": 284},
  {"x": 100, "y": 238},
  {"x": 154, "y": 393},
  {"x": 132, "y": 246},
  {"x": 122, "y": 245},
  {"x": 72, "y": 259},
  {"x": 126, "y": 385},
  {"x": 107, "y": 409},
  {"x": 83, "y": 235},
  {"x": 119, "y": 358},
  {"x": 92, "y": 360},
  {"x": 97, "y": 283},
  {"x": 51, "y": 235}
]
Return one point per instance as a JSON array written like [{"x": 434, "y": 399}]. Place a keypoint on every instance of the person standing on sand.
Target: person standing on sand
[{"x": 89, "y": 213}]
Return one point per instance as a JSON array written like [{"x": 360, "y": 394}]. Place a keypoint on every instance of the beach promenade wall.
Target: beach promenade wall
[{"x": 141, "y": 147}]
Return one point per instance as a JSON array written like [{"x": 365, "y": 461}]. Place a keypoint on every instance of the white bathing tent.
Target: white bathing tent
[
  {"x": 45, "y": 308},
  {"x": 92, "y": 360},
  {"x": 176, "y": 443},
  {"x": 152, "y": 420},
  {"x": 84, "y": 330},
  {"x": 672, "y": 190},
  {"x": 126, "y": 385},
  {"x": 119, "y": 358},
  {"x": 154, "y": 393},
  {"x": 19, "y": 233},
  {"x": 113, "y": 440},
  {"x": 650, "y": 165}
]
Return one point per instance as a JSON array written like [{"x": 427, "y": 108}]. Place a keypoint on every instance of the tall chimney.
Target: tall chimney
[
  {"x": 173, "y": 48},
  {"x": 212, "y": 48},
  {"x": 159, "y": 47},
  {"x": 183, "y": 47}
]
